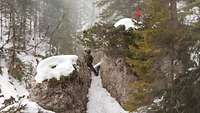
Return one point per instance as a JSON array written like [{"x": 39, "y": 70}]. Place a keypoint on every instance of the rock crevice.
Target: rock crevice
[{"x": 116, "y": 78}]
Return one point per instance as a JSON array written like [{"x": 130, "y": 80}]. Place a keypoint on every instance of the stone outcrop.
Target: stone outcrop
[
  {"x": 68, "y": 95},
  {"x": 116, "y": 77}
]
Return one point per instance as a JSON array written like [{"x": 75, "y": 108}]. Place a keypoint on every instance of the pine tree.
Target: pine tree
[{"x": 173, "y": 39}]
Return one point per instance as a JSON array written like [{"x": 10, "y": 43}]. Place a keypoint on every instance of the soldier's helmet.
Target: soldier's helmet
[{"x": 88, "y": 51}]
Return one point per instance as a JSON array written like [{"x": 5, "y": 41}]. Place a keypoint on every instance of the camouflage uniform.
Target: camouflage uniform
[{"x": 89, "y": 59}]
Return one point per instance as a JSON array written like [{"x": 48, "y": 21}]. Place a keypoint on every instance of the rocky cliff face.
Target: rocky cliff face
[
  {"x": 116, "y": 77},
  {"x": 68, "y": 95}
]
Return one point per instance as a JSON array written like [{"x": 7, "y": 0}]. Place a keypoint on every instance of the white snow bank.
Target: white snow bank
[
  {"x": 55, "y": 67},
  {"x": 32, "y": 107},
  {"x": 11, "y": 87},
  {"x": 29, "y": 107},
  {"x": 100, "y": 100},
  {"x": 128, "y": 23},
  {"x": 7, "y": 88}
]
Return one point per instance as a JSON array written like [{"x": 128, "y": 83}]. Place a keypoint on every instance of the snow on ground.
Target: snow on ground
[
  {"x": 9, "y": 87},
  {"x": 27, "y": 107},
  {"x": 27, "y": 58},
  {"x": 100, "y": 100},
  {"x": 128, "y": 23},
  {"x": 16, "y": 94},
  {"x": 32, "y": 107},
  {"x": 55, "y": 67}
]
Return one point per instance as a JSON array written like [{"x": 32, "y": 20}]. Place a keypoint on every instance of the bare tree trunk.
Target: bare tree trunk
[
  {"x": 174, "y": 26},
  {"x": 5, "y": 14},
  {"x": 1, "y": 36},
  {"x": 24, "y": 16},
  {"x": 35, "y": 28},
  {"x": 173, "y": 13},
  {"x": 13, "y": 39}
]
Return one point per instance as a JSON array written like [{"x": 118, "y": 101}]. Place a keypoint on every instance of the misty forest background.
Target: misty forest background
[{"x": 164, "y": 54}]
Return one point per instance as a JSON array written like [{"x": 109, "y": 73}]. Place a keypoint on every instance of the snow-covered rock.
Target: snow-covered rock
[
  {"x": 128, "y": 23},
  {"x": 55, "y": 67},
  {"x": 67, "y": 95}
]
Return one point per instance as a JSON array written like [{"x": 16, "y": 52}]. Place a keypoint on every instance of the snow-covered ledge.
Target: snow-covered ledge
[{"x": 55, "y": 67}]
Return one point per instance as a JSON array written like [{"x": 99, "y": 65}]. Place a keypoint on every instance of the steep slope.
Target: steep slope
[{"x": 14, "y": 97}]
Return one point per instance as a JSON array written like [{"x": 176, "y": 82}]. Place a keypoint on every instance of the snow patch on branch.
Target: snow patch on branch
[
  {"x": 128, "y": 23},
  {"x": 194, "y": 17},
  {"x": 180, "y": 5}
]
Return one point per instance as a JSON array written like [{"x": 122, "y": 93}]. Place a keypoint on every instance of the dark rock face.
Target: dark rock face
[
  {"x": 68, "y": 95},
  {"x": 116, "y": 77}
]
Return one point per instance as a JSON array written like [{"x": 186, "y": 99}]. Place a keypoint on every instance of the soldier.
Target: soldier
[{"x": 89, "y": 59}]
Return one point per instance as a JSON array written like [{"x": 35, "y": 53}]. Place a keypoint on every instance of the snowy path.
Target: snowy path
[{"x": 100, "y": 100}]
